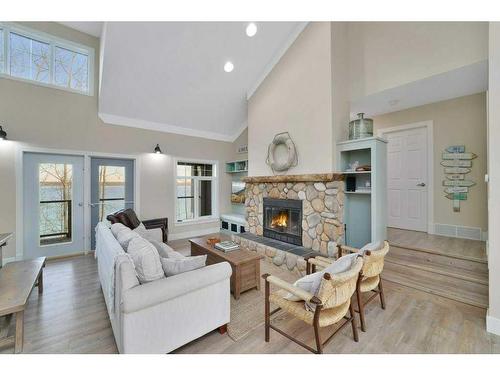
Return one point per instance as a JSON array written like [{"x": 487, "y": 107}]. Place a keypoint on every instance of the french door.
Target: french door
[
  {"x": 52, "y": 204},
  {"x": 111, "y": 188}
]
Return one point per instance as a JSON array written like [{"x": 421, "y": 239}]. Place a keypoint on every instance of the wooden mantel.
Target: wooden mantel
[{"x": 314, "y": 177}]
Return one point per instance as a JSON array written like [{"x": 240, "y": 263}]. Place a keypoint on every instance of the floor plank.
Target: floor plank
[
  {"x": 450, "y": 246},
  {"x": 71, "y": 317}
]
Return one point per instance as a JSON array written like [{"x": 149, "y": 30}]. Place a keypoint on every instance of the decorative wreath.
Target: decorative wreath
[{"x": 291, "y": 161}]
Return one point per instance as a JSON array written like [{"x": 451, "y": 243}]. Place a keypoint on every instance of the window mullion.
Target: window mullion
[
  {"x": 52, "y": 63},
  {"x": 196, "y": 198}
]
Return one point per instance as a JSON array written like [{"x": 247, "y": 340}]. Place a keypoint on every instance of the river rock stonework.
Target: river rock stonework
[{"x": 322, "y": 210}]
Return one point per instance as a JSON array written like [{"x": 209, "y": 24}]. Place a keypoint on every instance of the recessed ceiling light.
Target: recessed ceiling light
[
  {"x": 228, "y": 67},
  {"x": 251, "y": 29}
]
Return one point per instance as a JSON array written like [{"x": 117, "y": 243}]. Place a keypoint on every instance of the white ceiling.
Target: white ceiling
[
  {"x": 467, "y": 80},
  {"x": 169, "y": 76},
  {"x": 91, "y": 28}
]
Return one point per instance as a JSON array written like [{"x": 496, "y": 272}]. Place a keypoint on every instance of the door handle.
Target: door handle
[{"x": 422, "y": 184}]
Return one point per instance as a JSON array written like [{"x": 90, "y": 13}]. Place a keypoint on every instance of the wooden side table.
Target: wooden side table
[{"x": 245, "y": 264}]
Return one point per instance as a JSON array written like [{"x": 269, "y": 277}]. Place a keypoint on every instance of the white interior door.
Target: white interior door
[{"x": 407, "y": 179}]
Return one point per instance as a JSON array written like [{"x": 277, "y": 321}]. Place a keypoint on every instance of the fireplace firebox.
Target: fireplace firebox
[{"x": 283, "y": 220}]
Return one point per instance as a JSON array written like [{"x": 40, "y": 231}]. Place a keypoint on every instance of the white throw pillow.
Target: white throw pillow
[
  {"x": 371, "y": 246},
  {"x": 125, "y": 236},
  {"x": 312, "y": 282},
  {"x": 117, "y": 227},
  {"x": 144, "y": 233},
  {"x": 173, "y": 267},
  {"x": 166, "y": 251},
  {"x": 146, "y": 260}
]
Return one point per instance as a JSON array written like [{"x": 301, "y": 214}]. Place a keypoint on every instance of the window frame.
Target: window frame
[
  {"x": 53, "y": 42},
  {"x": 215, "y": 192}
]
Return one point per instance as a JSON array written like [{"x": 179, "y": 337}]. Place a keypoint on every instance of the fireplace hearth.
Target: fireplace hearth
[{"x": 283, "y": 220}]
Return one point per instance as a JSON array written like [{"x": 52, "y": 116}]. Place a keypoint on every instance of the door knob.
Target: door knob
[
  {"x": 421, "y": 184},
  {"x": 80, "y": 204}
]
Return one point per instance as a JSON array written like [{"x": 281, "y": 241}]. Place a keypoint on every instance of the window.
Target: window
[
  {"x": 195, "y": 190},
  {"x": 37, "y": 57},
  {"x": 2, "y": 52}
]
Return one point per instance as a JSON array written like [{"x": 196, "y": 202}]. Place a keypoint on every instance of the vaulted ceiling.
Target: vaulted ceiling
[{"x": 169, "y": 76}]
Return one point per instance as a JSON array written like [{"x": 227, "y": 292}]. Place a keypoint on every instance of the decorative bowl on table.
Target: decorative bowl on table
[{"x": 213, "y": 240}]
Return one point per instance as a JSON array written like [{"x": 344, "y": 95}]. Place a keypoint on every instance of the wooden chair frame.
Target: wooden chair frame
[
  {"x": 312, "y": 263},
  {"x": 319, "y": 306}
]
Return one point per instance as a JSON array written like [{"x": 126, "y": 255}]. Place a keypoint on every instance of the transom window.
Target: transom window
[
  {"x": 195, "y": 190},
  {"x": 40, "y": 58}
]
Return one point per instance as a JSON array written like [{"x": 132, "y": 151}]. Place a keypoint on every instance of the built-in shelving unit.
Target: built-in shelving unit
[
  {"x": 365, "y": 204},
  {"x": 237, "y": 166}
]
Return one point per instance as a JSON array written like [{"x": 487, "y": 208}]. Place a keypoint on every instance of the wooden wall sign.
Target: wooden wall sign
[{"x": 457, "y": 164}]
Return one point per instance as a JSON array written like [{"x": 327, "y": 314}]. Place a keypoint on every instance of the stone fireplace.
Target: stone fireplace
[
  {"x": 283, "y": 220},
  {"x": 316, "y": 201}
]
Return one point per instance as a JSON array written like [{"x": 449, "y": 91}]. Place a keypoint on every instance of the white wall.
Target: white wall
[
  {"x": 493, "y": 318},
  {"x": 37, "y": 116},
  {"x": 384, "y": 55},
  {"x": 460, "y": 121},
  {"x": 296, "y": 97}
]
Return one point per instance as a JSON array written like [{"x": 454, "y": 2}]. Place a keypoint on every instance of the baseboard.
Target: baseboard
[
  {"x": 458, "y": 231},
  {"x": 192, "y": 233},
  {"x": 492, "y": 324},
  {"x": 8, "y": 260}
]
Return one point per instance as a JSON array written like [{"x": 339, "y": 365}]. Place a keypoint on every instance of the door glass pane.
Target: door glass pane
[
  {"x": 111, "y": 190},
  {"x": 55, "y": 191},
  {"x": 185, "y": 199}
]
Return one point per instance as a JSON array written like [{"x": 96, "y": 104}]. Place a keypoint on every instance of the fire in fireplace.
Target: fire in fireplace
[
  {"x": 280, "y": 220},
  {"x": 283, "y": 220}
]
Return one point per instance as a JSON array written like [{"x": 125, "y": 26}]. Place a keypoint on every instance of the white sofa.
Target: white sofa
[{"x": 162, "y": 315}]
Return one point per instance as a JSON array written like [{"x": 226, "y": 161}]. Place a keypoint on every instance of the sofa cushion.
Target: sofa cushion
[
  {"x": 125, "y": 236},
  {"x": 154, "y": 234},
  {"x": 173, "y": 267},
  {"x": 118, "y": 227},
  {"x": 166, "y": 251},
  {"x": 146, "y": 260}
]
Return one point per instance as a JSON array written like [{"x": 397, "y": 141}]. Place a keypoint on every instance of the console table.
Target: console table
[
  {"x": 17, "y": 280},
  {"x": 4, "y": 237}
]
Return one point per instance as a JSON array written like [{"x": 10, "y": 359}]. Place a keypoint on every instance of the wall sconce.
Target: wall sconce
[
  {"x": 157, "y": 149},
  {"x": 3, "y": 134}
]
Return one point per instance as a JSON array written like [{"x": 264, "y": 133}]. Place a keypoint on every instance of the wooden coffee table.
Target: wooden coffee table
[{"x": 245, "y": 264}]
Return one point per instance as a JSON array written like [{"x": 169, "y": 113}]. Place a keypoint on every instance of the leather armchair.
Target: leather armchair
[{"x": 128, "y": 218}]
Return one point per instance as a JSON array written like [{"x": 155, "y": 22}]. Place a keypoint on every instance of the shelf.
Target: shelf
[
  {"x": 357, "y": 172},
  {"x": 358, "y": 192},
  {"x": 237, "y": 166}
]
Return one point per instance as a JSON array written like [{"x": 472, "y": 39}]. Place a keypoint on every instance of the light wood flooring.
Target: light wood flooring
[
  {"x": 71, "y": 317},
  {"x": 453, "y": 247}
]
